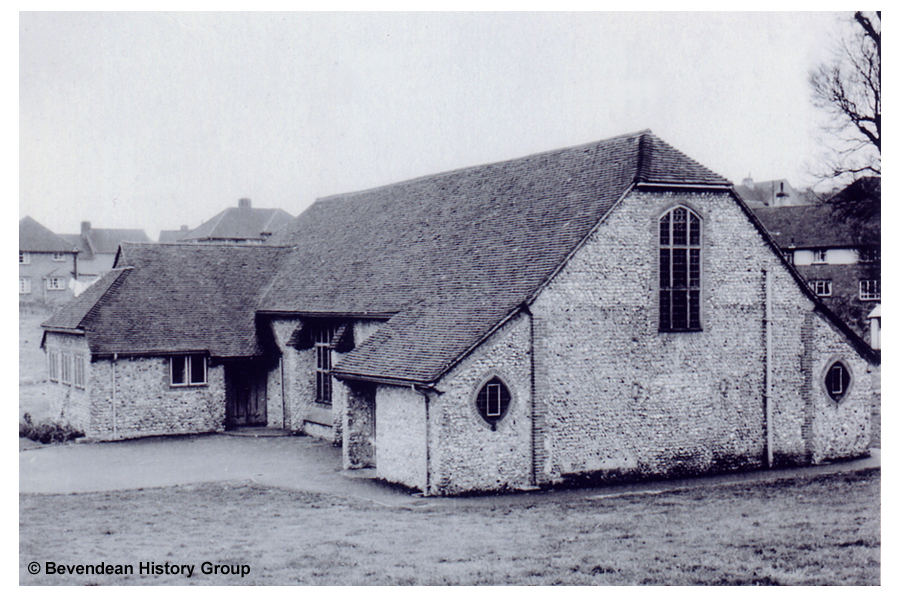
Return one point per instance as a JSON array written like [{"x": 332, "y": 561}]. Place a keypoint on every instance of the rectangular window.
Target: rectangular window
[
  {"x": 789, "y": 255},
  {"x": 53, "y": 359},
  {"x": 66, "y": 368},
  {"x": 24, "y": 285},
  {"x": 78, "y": 374},
  {"x": 870, "y": 289},
  {"x": 189, "y": 369},
  {"x": 24, "y": 258},
  {"x": 837, "y": 380},
  {"x": 56, "y": 283},
  {"x": 59, "y": 256},
  {"x": 869, "y": 255},
  {"x": 494, "y": 407},
  {"x": 322, "y": 342},
  {"x": 821, "y": 287},
  {"x": 820, "y": 257}
]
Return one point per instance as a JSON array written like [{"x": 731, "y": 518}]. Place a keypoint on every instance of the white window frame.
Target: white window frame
[
  {"x": 821, "y": 287},
  {"x": 53, "y": 366},
  {"x": 188, "y": 361},
  {"x": 838, "y": 380},
  {"x": 323, "y": 336},
  {"x": 56, "y": 284},
  {"x": 24, "y": 258},
  {"x": 494, "y": 407},
  {"x": 820, "y": 257},
  {"x": 59, "y": 256},
  {"x": 24, "y": 285},
  {"x": 66, "y": 369},
  {"x": 869, "y": 255},
  {"x": 866, "y": 292},
  {"x": 78, "y": 371}
]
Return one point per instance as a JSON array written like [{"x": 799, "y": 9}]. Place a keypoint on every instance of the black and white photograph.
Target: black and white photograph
[{"x": 449, "y": 298}]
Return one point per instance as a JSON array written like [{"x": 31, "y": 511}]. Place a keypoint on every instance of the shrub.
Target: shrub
[{"x": 47, "y": 432}]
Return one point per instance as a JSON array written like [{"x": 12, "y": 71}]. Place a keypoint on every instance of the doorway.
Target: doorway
[{"x": 245, "y": 394}]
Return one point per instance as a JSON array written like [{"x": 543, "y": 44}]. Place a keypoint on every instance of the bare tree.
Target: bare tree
[{"x": 849, "y": 89}]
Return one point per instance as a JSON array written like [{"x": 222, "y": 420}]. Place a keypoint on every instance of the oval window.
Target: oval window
[
  {"x": 837, "y": 380},
  {"x": 493, "y": 400}
]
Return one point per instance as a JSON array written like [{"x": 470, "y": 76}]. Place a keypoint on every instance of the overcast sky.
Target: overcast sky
[{"x": 155, "y": 120}]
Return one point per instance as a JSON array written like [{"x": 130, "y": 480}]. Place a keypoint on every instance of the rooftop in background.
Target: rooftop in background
[
  {"x": 849, "y": 218},
  {"x": 775, "y": 193},
  {"x": 34, "y": 237},
  {"x": 238, "y": 224},
  {"x": 171, "y": 236},
  {"x": 104, "y": 241}
]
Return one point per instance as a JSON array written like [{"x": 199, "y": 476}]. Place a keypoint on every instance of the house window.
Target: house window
[
  {"x": 78, "y": 372},
  {"x": 322, "y": 337},
  {"x": 869, "y": 255},
  {"x": 820, "y": 257},
  {"x": 24, "y": 258},
  {"x": 821, "y": 287},
  {"x": 870, "y": 289},
  {"x": 66, "y": 369},
  {"x": 187, "y": 370},
  {"x": 493, "y": 401},
  {"x": 56, "y": 283},
  {"x": 59, "y": 256},
  {"x": 24, "y": 285},
  {"x": 837, "y": 380},
  {"x": 789, "y": 255},
  {"x": 679, "y": 270},
  {"x": 53, "y": 359}
]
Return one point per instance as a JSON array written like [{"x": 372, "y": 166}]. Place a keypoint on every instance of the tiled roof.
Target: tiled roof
[
  {"x": 34, "y": 237},
  {"x": 816, "y": 226},
  {"x": 107, "y": 241},
  {"x": 72, "y": 314},
  {"x": 240, "y": 223},
  {"x": 452, "y": 254},
  {"x": 177, "y": 298}
]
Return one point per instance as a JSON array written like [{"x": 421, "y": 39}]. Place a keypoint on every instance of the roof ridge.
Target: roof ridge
[
  {"x": 114, "y": 285},
  {"x": 483, "y": 165}
]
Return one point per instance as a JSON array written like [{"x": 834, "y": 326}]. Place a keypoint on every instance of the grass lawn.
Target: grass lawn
[
  {"x": 819, "y": 531},
  {"x": 33, "y": 386}
]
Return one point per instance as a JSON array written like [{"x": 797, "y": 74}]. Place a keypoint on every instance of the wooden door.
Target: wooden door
[{"x": 245, "y": 394}]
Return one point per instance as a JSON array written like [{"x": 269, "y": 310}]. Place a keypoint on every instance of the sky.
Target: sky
[{"x": 157, "y": 120}]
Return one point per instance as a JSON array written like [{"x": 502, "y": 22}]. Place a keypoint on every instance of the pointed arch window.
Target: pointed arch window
[{"x": 679, "y": 270}]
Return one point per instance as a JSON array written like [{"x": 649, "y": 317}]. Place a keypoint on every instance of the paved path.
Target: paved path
[{"x": 298, "y": 463}]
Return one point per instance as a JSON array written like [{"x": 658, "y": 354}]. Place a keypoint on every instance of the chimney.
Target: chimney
[
  {"x": 244, "y": 203},
  {"x": 747, "y": 182},
  {"x": 85, "y": 227}
]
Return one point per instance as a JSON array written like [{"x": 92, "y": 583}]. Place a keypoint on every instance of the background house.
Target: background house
[
  {"x": 97, "y": 249},
  {"x": 774, "y": 193},
  {"x": 836, "y": 246},
  {"x": 172, "y": 236},
  {"x": 47, "y": 264},
  {"x": 609, "y": 310},
  {"x": 237, "y": 225}
]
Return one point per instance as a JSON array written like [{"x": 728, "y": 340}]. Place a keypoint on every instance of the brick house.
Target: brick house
[
  {"x": 610, "y": 310},
  {"x": 47, "y": 265}
]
